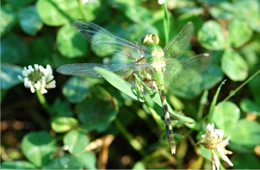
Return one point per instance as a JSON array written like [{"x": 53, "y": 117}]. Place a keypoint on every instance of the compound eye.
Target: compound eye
[{"x": 155, "y": 39}]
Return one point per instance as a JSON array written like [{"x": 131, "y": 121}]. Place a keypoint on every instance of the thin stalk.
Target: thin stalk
[
  {"x": 214, "y": 102},
  {"x": 203, "y": 102},
  {"x": 233, "y": 92},
  {"x": 156, "y": 117},
  {"x": 43, "y": 101},
  {"x": 133, "y": 142},
  {"x": 166, "y": 22},
  {"x": 157, "y": 153}
]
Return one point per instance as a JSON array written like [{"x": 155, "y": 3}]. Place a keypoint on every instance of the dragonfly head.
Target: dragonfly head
[{"x": 150, "y": 39}]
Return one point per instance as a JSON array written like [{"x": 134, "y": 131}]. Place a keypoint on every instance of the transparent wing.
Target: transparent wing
[
  {"x": 177, "y": 46},
  {"x": 180, "y": 71},
  {"x": 87, "y": 69},
  {"x": 105, "y": 40}
]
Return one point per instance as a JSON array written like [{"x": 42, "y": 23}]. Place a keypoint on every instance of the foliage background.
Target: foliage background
[{"x": 83, "y": 110}]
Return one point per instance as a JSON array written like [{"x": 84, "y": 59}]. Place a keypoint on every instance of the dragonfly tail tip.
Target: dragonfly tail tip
[{"x": 173, "y": 150}]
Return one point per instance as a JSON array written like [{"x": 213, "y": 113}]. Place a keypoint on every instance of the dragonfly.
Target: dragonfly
[{"x": 163, "y": 68}]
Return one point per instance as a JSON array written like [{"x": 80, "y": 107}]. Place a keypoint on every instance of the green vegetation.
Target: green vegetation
[{"x": 90, "y": 123}]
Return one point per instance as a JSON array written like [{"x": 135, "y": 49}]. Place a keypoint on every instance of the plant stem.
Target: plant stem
[
  {"x": 43, "y": 101},
  {"x": 166, "y": 22},
  {"x": 81, "y": 9},
  {"x": 214, "y": 101},
  {"x": 157, "y": 153},
  {"x": 133, "y": 142},
  {"x": 203, "y": 102},
  {"x": 233, "y": 92},
  {"x": 156, "y": 117}
]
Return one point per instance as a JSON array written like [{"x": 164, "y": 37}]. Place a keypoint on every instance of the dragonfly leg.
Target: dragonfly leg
[{"x": 141, "y": 60}]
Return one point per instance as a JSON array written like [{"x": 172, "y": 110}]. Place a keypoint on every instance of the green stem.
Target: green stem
[
  {"x": 157, "y": 153},
  {"x": 233, "y": 92},
  {"x": 43, "y": 101},
  {"x": 155, "y": 116},
  {"x": 203, "y": 102},
  {"x": 213, "y": 103},
  {"x": 81, "y": 9},
  {"x": 166, "y": 22},
  {"x": 133, "y": 142}
]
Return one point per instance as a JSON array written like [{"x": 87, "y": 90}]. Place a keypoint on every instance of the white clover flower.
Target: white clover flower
[
  {"x": 160, "y": 2},
  {"x": 88, "y": 1},
  {"x": 38, "y": 78},
  {"x": 213, "y": 140}
]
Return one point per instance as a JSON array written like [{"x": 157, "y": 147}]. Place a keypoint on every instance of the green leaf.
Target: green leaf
[
  {"x": 17, "y": 165},
  {"x": 65, "y": 162},
  {"x": 192, "y": 89},
  {"x": 9, "y": 75},
  {"x": 41, "y": 50},
  {"x": 122, "y": 3},
  {"x": 38, "y": 147},
  {"x": 75, "y": 141},
  {"x": 211, "y": 36},
  {"x": 246, "y": 132},
  {"x": 18, "y": 4},
  {"x": 97, "y": 114},
  {"x": 206, "y": 153},
  {"x": 139, "y": 14},
  {"x": 190, "y": 17},
  {"x": 13, "y": 49},
  {"x": 225, "y": 116},
  {"x": 250, "y": 53},
  {"x": 136, "y": 32},
  {"x": 118, "y": 83},
  {"x": 248, "y": 11},
  {"x": 239, "y": 32},
  {"x": 70, "y": 43},
  {"x": 222, "y": 11},
  {"x": 250, "y": 107},
  {"x": 8, "y": 18},
  {"x": 61, "y": 108},
  {"x": 234, "y": 66},
  {"x": 59, "y": 11},
  {"x": 254, "y": 88},
  {"x": 91, "y": 9},
  {"x": 139, "y": 165},
  {"x": 29, "y": 20},
  {"x": 88, "y": 159},
  {"x": 246, "y": 161},
  {"x": 76, "y": 89},
  {"x": 211, "y": 2},
  {"x": 212, "y": 76},
  {"x": 63, "y": 124}
]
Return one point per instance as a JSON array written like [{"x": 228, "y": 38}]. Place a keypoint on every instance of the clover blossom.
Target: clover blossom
[
  {"x": 213, "y": 140},
  {"x": 38, "y": 78},
  {"x": 88, "y": 1},
  {"x": 160, "y": 2}
]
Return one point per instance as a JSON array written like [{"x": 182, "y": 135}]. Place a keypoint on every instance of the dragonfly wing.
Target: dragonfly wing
[
  {"x": 88, "y": 69},
  {"x": 102, "y": 38},
  {"x": 177, "y": 46},
  {"x": 180, "y": 71}
]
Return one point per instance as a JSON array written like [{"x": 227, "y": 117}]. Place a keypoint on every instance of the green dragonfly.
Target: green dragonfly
[{"x": 163, "y": 68}]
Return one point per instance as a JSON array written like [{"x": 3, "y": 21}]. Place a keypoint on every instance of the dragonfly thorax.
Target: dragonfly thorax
[{"x": 150, "y": 39}]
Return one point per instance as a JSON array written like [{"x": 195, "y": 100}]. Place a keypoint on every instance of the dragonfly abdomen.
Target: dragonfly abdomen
[{"x": 167, "y": 120}]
